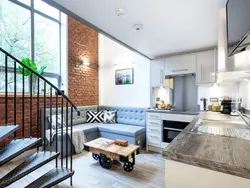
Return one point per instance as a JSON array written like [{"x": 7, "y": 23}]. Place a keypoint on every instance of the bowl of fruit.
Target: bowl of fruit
[{"x": 165, "y": 106}]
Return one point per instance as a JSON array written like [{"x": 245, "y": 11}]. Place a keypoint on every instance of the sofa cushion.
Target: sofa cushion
[
  {"x": 129, "y": 116},
  {"x": 109, "y": 117},
  {"x": 88, "y": 127},
  {"x": 122, "y": 129},
  {"x": 94, "y": 117}
]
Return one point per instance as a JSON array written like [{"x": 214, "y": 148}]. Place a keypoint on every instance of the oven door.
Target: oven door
[{"x": 169, "y": 134}]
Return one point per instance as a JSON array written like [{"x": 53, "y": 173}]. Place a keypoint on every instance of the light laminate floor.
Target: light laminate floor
[{"x": 149, "y": 172}]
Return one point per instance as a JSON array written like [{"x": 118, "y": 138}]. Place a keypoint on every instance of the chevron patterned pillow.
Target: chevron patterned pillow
[{"x": 94, "y": 117}]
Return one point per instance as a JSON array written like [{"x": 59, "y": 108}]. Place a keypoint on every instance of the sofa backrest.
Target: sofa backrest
[
  {"x": 129, "y": 116},
  {"x": 76, "y": 119}
]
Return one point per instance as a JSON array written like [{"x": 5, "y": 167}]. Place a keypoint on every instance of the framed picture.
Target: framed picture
[{"x": 124, "y": 76}]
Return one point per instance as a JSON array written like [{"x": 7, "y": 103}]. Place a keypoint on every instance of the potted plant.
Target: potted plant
[{"x": 32, "y": 65}]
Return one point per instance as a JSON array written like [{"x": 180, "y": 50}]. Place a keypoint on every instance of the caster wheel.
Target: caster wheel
[
  {"x": 95, "y": 156},
  {"x": 128, "y": 166},
  {"x": 105, "y": 162}
]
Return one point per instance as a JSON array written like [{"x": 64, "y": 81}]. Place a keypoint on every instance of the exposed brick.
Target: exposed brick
[{"x": 83, "y": 81}]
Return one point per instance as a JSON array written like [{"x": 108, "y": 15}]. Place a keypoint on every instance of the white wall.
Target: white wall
[
  {"x": 208, "y": 91},
  {"x": 134, "y": 95},
  {"x": 244, "y": 91}
]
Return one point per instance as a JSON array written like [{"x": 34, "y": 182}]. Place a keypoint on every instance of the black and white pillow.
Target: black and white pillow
[
  {"x": 94, "y": 117},
  {"x": 109, "y": 117}
]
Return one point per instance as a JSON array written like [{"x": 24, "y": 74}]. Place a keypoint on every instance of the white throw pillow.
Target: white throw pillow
[
  {"x": 59, "y": 122},
  {"x": 109, "y": 117}
]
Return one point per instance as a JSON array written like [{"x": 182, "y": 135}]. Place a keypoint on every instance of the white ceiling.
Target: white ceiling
[{"x": 170, "y": 26}]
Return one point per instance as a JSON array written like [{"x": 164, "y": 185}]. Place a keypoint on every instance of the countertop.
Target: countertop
[
  {"x": 172, "y": 112},
  {"x": 224, "y": 154}
]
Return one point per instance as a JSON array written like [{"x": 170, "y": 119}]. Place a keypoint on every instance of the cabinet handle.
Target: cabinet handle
[
  {"x": 154, "y": 137},
  {"x": 173, "y": 129},
  {"x": 180, "y": 70},
  {"x": 153, "y": 116},
  {"x": 161, "y": 77},
  {"x": 201, "y": 74},
  {"x": 156, "y": 130},
  {"x": 154, "y": 123}
]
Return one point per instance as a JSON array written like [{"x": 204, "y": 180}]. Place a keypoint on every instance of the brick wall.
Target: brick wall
[
  {"x": 83, "y": 80},
  {"x": 26, "y": 114}
]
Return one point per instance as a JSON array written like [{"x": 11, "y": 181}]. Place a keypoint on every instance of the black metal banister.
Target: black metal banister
[
  {"x": 6, "y": 90},
  {"x": 31, "y": 121},
  {"x": 23, "y": 104},
  {"x": 62, "y": 128},
  {"x": 44, "y": 79},
  {"x": 15, "y": 97}
]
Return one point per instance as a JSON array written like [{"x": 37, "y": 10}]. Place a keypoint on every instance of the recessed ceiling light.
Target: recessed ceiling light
[
  {"x": 137, "y": 27},
  {"x": 120, "y": 12}
]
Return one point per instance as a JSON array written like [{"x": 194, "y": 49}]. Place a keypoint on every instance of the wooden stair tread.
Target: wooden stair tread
[
  {"x": 6, "y": 131},
  {"x": 15, "y": 148},
  {"x": 32, "y": 163},
  {"x": 51, "y": 178}
]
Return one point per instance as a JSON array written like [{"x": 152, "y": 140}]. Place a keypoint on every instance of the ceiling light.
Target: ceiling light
[
  {"x": 137, "y": 27},
  {"x": 120, "y": 12}
]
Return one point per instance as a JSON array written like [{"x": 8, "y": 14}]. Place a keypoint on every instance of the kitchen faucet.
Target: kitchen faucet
[{"x": 242, "y": 115}]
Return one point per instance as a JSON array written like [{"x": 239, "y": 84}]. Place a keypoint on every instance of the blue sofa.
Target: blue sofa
[{"x": 130, "y": 125}]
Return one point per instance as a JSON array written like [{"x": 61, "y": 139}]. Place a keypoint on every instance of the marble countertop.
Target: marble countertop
[
  {"x": 172, "y": 112},
  {"x": 224, "y": 154}
]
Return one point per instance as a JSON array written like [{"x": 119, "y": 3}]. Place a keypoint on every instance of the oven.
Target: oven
[{"x": 172, "y": 129}]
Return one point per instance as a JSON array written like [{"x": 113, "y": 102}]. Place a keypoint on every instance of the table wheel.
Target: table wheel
[
  {"x": 105, "y": 162},
  {"x": 128, "y": 166},
  {"x": 95, "y": 156}
]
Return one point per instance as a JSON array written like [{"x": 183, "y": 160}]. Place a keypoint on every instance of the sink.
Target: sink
[{"x": 235, "y": 129}]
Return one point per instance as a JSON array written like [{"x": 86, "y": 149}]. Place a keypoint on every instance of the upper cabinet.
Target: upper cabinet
[
  {"x": 157, "y": 72},
  {"x": 184, "y": 64},
  {"x": 206, "y": 63}
]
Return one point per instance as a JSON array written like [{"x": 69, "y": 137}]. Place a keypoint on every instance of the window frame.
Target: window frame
[{"x": 34, "y": 11}]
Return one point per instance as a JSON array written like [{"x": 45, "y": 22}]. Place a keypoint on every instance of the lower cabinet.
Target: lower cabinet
[{"x": 155, "y": 128}]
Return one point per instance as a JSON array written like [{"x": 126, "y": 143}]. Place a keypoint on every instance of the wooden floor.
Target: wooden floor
[{"x": 149, "y": 172}]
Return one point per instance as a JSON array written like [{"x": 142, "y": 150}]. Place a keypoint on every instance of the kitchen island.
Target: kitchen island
[{"x": 198, "y": 160}]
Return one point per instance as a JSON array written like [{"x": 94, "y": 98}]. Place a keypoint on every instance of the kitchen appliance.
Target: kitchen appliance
[
  {"x": 172, "y": 129},
  {"x": 226, "y": 106},
  {"x": 236, "y": 104},
  {"x": 238, "y": 25},
  {"x": 204, "y": 104},
  {"x": 215, "y": 107}
]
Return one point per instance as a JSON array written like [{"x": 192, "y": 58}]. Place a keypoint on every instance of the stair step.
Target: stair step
[
  {"x": 51, "y": 178},
  {"x": 34, "y": 162},
  {"x": 6, "y": 131},
  {"x": 15, "y": 148}
]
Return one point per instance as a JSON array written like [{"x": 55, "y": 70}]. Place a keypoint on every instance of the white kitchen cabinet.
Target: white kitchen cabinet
[
  {"x": 155, "y": 129},
  {"x": 184, "y": 64},
  {"x": 157, "y": 72},
  {"x": 206, "y": 67}
]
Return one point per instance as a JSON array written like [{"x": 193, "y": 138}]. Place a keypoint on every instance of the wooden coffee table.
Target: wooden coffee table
[{"x": 106, "y": 152}]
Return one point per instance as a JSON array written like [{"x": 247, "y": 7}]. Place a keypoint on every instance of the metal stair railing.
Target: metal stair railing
[{"x": 47, "y": 85}]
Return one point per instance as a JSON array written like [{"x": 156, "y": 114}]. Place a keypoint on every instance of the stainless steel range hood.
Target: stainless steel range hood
[{"x": 233, "y": 68}]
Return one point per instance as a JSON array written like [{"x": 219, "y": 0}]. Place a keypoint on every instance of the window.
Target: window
[
  {"x": 15, "y": 30},
  {"x": 47, "y": 49},
  {"x": 46, "y": 9},
  {"x": 38, "y": 38},
  {"x": 27, "y": 2}
]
